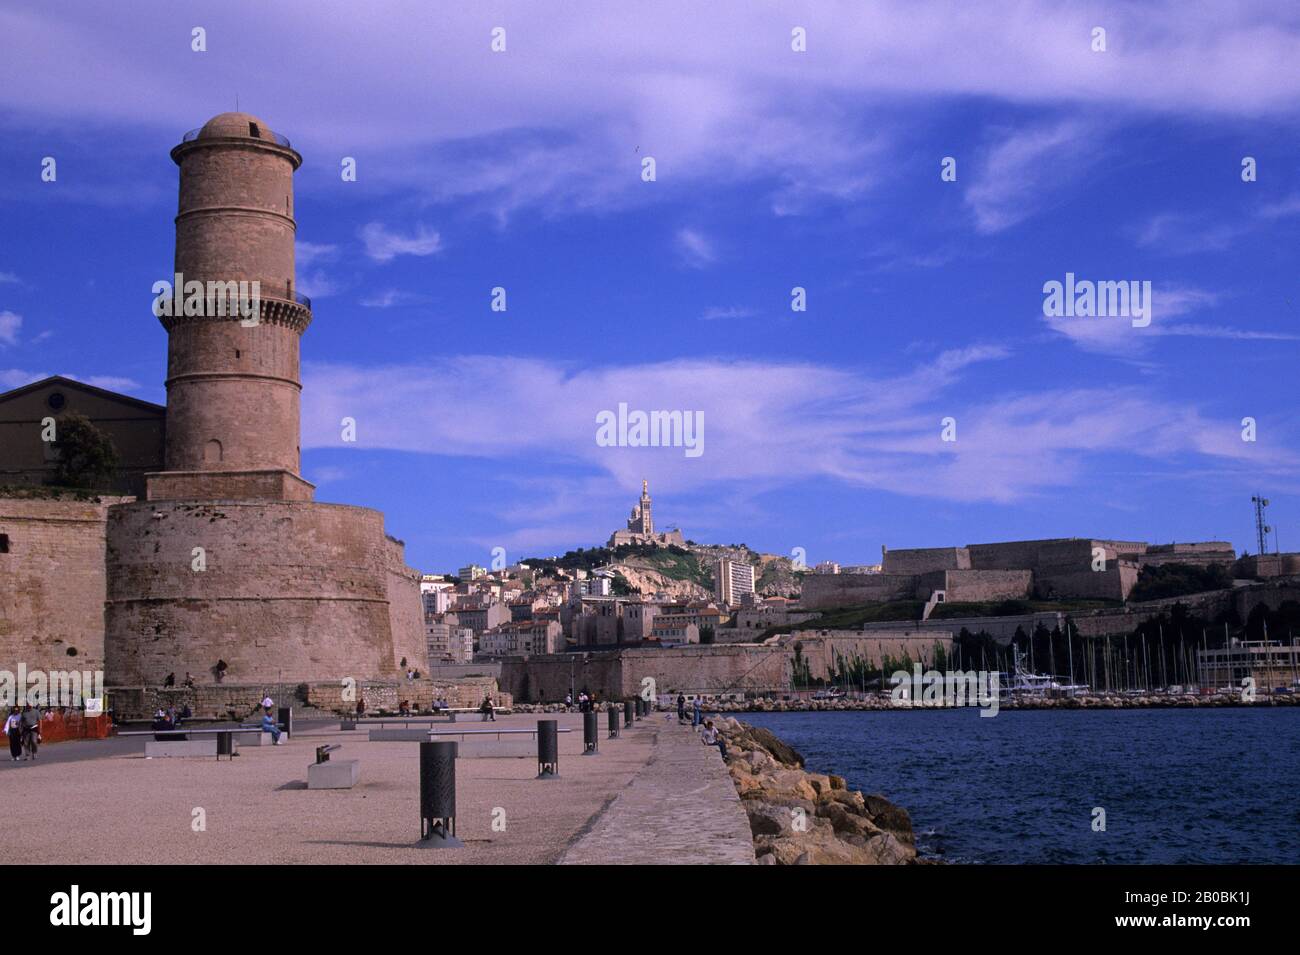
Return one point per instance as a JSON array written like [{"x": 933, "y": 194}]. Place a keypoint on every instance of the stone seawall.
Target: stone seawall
[{"x": 798, "y": 817}]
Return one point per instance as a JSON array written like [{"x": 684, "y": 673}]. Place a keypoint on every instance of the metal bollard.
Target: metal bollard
[
  {"x": 548, "y": 750},
  {"x": 590, "y": 734},
  {"x": 613, "y": 722},
  {"x": 438, "y": 796},
  {"x": 285, "y": 719},
  {"x": 640, "y": 708},
  {"x": 627, "y": 713},
  {"x": 226, "y": 744}
]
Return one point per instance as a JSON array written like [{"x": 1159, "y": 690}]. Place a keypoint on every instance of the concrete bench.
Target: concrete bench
[
  {"x": 351, "y": 724},
  {"x": 334, "y": 774},
  {"x": 471, "y": 744},
  {"x": 203, "y": 746}
]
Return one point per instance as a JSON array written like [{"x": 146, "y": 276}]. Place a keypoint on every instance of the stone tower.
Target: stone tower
[
  {"x": 641, "y": 521},
  {"x": 233, "y": 382},
  {"x": 230, "y": 571}
]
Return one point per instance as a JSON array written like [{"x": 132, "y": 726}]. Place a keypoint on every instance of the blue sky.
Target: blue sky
[{"x": 775, "y": 169}]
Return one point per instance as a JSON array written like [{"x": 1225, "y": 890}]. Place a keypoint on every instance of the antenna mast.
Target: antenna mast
[{"x": 1261, "y": 526}]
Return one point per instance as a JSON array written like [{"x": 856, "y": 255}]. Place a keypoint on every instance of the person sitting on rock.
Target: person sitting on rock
[{"x": 712, "y": 737}]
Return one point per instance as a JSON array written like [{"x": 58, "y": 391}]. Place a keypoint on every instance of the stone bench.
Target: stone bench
[
  {"x": 202, "y": 746},
  {"x": 334, "y": 774},
  {"x": 514, "y": 743}
]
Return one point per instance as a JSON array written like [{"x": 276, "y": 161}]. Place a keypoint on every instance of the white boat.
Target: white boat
[{"x": 1025, "y": 682}]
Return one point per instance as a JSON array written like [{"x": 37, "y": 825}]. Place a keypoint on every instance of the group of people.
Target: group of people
[
  {"x": 586, "y": 701},
  {"x": 171, "y": 718},
  {"x": 170, "y": 680},
  {"x": 23, "y": 727},
  {"x": 709, "y": 734},
  {"x": 269, "y": 724}
]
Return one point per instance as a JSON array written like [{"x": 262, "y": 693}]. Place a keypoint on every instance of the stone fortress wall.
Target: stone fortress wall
[
  {"x": 52, "y": 583},
  {"x": 1045, "y": 569},
  {"x": 292, "y": 592},
  {"x": 618, "y": 674}
]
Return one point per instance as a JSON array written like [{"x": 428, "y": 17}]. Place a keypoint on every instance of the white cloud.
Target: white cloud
[
  {"x": 383, "y": 245},
  {"x": 695, "y": 248},
  {"x": 769, "y": 423},
  {"x": 308, "y": 253},
  {"x": 10, "y": 323},
  {"x": 391, "y": 298},
  {"x": 725, "y": 99},
  {"x": 1118, "y": 337},
  {"x": 715, "y": 312},
  {"x": 1028, "y": 169}
]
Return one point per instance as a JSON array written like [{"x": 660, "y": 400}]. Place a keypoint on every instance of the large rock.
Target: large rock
[
  {"x": 890, "y": 817},
  {"x": 778, "y": 748}
]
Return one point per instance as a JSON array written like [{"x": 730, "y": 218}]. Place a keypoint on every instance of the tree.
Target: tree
[{"x": 87, "y": 457}]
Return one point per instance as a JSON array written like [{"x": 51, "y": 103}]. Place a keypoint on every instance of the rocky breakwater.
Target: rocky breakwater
[{"x": 804, "y": 818}]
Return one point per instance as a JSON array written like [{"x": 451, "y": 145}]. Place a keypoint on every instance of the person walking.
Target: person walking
[
  {"x": 681, "y": 708},
  {"x": 487, "y": 710},
  {"x": 31, "y": 722},
  {"x": 696, "y": 716},
  {"x": 14, "y": 730}
]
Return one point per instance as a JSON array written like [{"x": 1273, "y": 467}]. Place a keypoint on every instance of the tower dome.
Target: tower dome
[{"x": 238, "y": 126}]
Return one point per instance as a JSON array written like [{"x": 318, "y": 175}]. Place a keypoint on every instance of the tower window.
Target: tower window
[
  {"x": 4, "y": 543},
  {"x": 236, "y": 352},
  {"x": 254, "y": 131},
  {"x": 212, "y": 451},
  {"x": 56, "y": 401}
]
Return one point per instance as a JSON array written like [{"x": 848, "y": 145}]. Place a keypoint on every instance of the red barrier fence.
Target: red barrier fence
[{"x": 57, "y": 726}]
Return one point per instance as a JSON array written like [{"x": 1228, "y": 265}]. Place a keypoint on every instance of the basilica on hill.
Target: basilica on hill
[{"x": 641, "y": 526}]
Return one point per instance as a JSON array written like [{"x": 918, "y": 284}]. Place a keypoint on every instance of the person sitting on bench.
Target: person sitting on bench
[{"x": 269, "y": 726}]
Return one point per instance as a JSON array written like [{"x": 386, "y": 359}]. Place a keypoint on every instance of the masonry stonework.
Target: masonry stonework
[{"x": 52, "y": 583}]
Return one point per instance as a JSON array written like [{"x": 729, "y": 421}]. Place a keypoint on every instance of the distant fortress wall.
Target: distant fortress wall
[
  {"x": 1046, "y": 569},
  {"x": 827, "y": 591},
  {"x": 825, "y": 651},
  {"x": 618, "y": 674},
  {"x": 920, "y": 560}
]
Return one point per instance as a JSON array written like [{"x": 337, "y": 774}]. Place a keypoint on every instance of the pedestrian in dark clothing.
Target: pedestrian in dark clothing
[{"x": 14, "y": 730}]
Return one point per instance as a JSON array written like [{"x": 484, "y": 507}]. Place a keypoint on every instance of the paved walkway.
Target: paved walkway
[
  {"x": 654, "y": 795},
  {"x": 680, "y": 808}
]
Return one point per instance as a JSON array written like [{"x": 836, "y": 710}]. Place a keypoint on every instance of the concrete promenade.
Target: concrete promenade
[
  {"x": 681, "y": 807},
  {"x": 656, "y": 795}
]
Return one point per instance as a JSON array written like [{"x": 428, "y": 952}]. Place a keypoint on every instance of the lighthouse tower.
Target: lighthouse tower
[
  {"x": 230, "y": 570},
  {"x": 233, "y": 384}
]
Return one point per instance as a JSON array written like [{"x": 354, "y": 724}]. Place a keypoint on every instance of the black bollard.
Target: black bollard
[
  {"x": 438, "y": 796},
  {"x": 613, "y": 722},
  {"x": 640, "y": 708},
  {"x": 286, "y": 720},
  {"x": 548, "y": 750},
  {"x": 627, "y": 713},
  {"x": 590, "y": 734}
]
